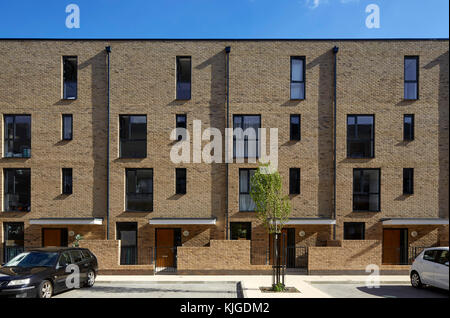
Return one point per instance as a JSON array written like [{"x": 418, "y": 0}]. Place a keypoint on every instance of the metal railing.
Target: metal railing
[
  {"x": 401, "y": 256},
  {"x": 11, "y": 252},
  {"x": 292, "y": 256}
]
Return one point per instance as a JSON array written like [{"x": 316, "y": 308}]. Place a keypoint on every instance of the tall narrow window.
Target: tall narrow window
[
  {"x": 246, "y": 136},
  {"x": 246, "y": 203},
  {"x": 366, "y": 190},
  {"x": 360, "y": 136},
  {"x": 295, "y": 127},
  {"x": 180, "y": 182},
  {"x": 70, "y": 66},
  {"x": 297, "y": 77},
  {"x": 67, "y": 122},
  {"x": 139, "y": 190},
  {"x": 17, "y": 136},
  {"x": 294, "y": 180},
  {"x": 126, "y": 232},
  {"x": 67, "y": 181},
  {"x": 408, "y": 180},
  {"x": 181, "y": 127},
  {"x": 17, "y": 190},
  {"x": 411, "y": 77},
  {"x": 183, "y": 77},
  {"x": 408, "y": 127},
  {"x": 133, "y": 136}
]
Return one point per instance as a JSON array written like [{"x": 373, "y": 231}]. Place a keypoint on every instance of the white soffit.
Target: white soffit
[
  {"x": 67, "y": 221},
  {"x": 415, "y": 222},
  {"x": 179, "y": 221}
]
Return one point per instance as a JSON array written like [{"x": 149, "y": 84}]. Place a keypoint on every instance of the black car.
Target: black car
[{"x": 43, "y": 272}]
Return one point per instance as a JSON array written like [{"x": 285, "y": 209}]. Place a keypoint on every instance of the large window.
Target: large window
[
  {"x": 295, "y": 127},
  {"x": 17, "y": 136},
  {"x": 408, "y": 127},
  {"x": 183, "y": 77},
  {"x": 294, "y": 180},
  {"x": 360, "y": 136},
  {"x": 180, "y": 182},
  {"x": 245, "y": 201},
  {"x": 67, "y": 125},
  {"x": 297, "y": 77},
  {"x": 67, "y": 186},
  {"x": 17, "y": 190},
  {"x": 241, "y": 230},
  {"x": 366, "y": 190},
  {"x": 133, "y": 136},
  {"x": 408, "y": 180},
  {"x": 139, "y": 190},
  {"x": 411, "y": 77},
  {"x": 246, "y": 136},
  {"x": 70, "y": 77},
  {"x": 354, "y": 230}
]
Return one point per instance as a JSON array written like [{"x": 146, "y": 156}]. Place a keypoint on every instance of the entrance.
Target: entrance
[
  {"x": 286, "y": 247},
  {"x": 127, "y": 234},
  {"x": 167, "y": 241},
  {"x": 54, "y": 237},
  {"x": 395, "y": 246}
]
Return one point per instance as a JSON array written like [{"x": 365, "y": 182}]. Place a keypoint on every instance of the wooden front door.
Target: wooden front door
[
  {"x": 54, "y": 237},
  {"x": 165, "y": 248},
  {"x": 394, "y": 244}
]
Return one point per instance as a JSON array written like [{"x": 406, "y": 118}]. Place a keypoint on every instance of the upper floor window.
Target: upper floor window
[
  {"x": 17, "y": 190},
  {"x": 67, "y": 181},
  {"x": 183, "y": 77},
  {"x": 17, "y": 136},
  {"x": 246, "y": 136},
  {"x": 354, "y": 230},
  {"x": 360, "y": 136},
  {"x": 181, "y": 123},
  {"x": 294, "y": 180},
  {"x": 366, "y": 190},
  {"x": 411, "y": 77},
  {"x": 246, "y": 203},
  {"x": 133, "y": 136},
  {"x": 70, "y": 67},
  {"x": 408, "y": 180},
  {"x": 295, "y": 127},
  {"x": 408, "y": 127},
  {"x": 180, "y": 182},
  {"x": 297, "y": 77},
  {"x": 139, "y": 190},
  {"x": 67, "y": 125}
]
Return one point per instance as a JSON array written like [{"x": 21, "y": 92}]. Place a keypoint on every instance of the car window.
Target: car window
[
  {"x": 85, "y": 254},
  {"x": 76, "y": 256},
  {"x": 64, "y": 259},
  {"x": 442, "y": 257},
  {"x": 430, "y": 255}
]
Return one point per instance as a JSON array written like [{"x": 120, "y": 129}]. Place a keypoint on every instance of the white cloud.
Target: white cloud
[{"x": 313, "y": 4}]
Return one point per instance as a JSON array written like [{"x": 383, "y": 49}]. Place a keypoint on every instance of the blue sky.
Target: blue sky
[{"x": 224, "y": 19}]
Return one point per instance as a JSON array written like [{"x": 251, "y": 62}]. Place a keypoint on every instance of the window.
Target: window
[
  {"x": 67, "y": 122},
  {"x": 127, "y": 234},
  {"x": 408, "y": 180},
  {"x": 13, "y": 234},
  {"x": 354, "y": 230},
  {"x": 67, "y": 180},
  {"x": 181, "y": 124},
  {"x": 408, "y": 127},
  {"x": 411, "y": 77},
  {"x": 139, "y": 189},
  {"x": 64, "y": 259},
  {"x": 442, "y": 257},
  {"x": 183, "y": 77},
  {"x": 76, "y": 256},
  {"x": 241, "y": 230},
  {"x": 297, "y": 77},
  {"x": 294, "y": 180},
  {"x": 366, "y": 190},
  {"x": 246, "y": 203},
  {"x": 17, "y": 136},
  {"x": 295, "y": 127},
  {"x": 430, "y": 255},
  {"x": 17, "y": 187},
  {"x": 133, "y": 136},
  {"x": 180, "y": 180},
  {"x": 245, "y": 136},
  {"x": 70, "y": 66},
  {"x": 360, "y": 136}
]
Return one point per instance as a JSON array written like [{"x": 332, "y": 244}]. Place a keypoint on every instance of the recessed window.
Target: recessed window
[
  {"x": 354, "y": 230},
  {"x": 241, "y": 230},
  {"x": 139, "y": 190},
  {"x": 294, "y": 180},
  {"x": 181, "y": 125},
  {"x": 70, "y": 66},
  {"x": 183, "y": 77},
  {"x": 408, "y": 180},
  {"x": 360, "y": 136},
  {"x": 246, "y": 203},
  {"x": 17, "y": 190},
  {"x": 297, "y": 77},
  {"x": 133, "y": 136},
  {"x": 408, "y": 127},
  {"x": 180, "y": 183},
  {"x": 67, "y": 121},
  {"x": 411, "y": 77},
  {"x": 295, "y": 127},
  {"x": 17, "y": 136},
  {"x": 366, "y": 190},
  {"x": 246, "y": 136},
  {"x": 67, "y": 181}
]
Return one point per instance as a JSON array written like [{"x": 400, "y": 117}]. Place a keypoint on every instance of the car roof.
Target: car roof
[{"x": 54, "y": 249}]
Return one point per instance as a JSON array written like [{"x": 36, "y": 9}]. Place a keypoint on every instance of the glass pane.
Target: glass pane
[
  {"x": 243, "y": 181},
  {"x": 133, "y": 149},
  {"x": 410, "y": 69},
  {"x": 410, "y": 90},
  {"x": 297, "y": 69},
  {"x": 246, "y": 203},
  {"x": 67, "y": 124},
  {"x": 144, "y": 181},
  {"x": 138, "y": 127},
  {"x": 70, "y": 77},
  {"x": 183, "y": 78},
  {"x": 297, "y": 91}
]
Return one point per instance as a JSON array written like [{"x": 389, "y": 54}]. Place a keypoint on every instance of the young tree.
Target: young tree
[{"x": 272, "y": 208}]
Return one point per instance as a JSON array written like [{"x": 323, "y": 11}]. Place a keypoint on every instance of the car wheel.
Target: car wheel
[
  {"x": 45, "y": 289},
  {"x": 415, "y": 280},
  {"x": 90, "y": 279}
]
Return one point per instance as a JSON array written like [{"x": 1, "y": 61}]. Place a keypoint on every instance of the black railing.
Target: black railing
[
  {"x": 12, "y": 251},
  {"x": 401, "y": 256},
  {"x": 291, "y": 256}
]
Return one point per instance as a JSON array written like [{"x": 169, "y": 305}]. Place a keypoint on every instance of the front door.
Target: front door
[
  {"x": 166, "y": 242},
  {"x": 54, "y": 237},
  {"x": 395, "y": 246}
]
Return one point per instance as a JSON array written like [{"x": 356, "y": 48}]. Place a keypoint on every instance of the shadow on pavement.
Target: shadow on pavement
[{"x": 404, "y": 291}]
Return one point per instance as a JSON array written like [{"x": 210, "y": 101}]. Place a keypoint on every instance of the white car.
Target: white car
[{"x": 430, "y": 268}]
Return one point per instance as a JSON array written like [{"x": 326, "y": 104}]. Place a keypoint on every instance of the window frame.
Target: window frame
[
  {"x": 371, "y": 140},
  {"x": 6, "y": 138},
  {"x": 65, "y": 177},
  {"x": 303, "y": 58},
  {"x": 369, "y": 193},
  {"x": 121, "y": 139},
  {"x": 411, "y": 132},
  {"x": 127, "y": 209},
  {"x": 178, "y": 187},
  {"x": 291, "y": 135},
  {"x": 258, "y": 150},
  {"x": 64, "y": 126},
  {"x": 291, "y": 186},
  {"x": 239, "y": 186},
  {"x": 415, "y": 57},
  {"x": 64, "y": 97},
  {"x": 408, "y": 173},
  {"x": 177, "y": 77},
  {"x": 363, "y": 232}
]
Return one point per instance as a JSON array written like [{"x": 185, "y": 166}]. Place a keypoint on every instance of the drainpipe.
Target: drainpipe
[
  {"x": 227, "y": 51},
  {"x": 108, "y": 52},
  {"x": 335, "y": 51}
]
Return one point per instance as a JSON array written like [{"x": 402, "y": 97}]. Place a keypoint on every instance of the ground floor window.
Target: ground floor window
[
  {"x": 354, "y": 231},
  {"x": 241, "y": 230},
  {"x": 13, "y": 240},
  {"x": 127, "y": 234}
]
